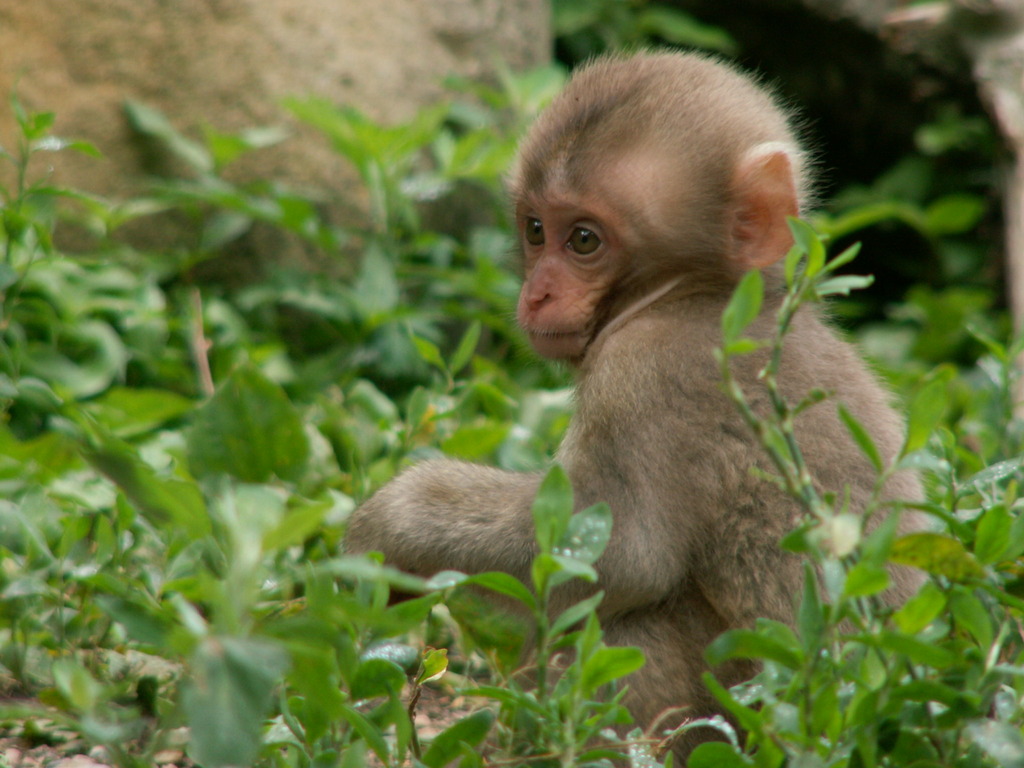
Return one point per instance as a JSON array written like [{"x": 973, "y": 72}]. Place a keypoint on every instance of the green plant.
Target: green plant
[
  {"x": 169, "y": 556},
  {"x": 587, "y": 28},
  {"x": 855, "y": 683}
]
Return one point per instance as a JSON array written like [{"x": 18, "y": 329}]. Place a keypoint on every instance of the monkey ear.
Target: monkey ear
[{"x": 764, "y": 194}]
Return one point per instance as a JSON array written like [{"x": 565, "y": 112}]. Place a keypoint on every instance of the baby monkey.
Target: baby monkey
[{"x": 642, "y": 195}]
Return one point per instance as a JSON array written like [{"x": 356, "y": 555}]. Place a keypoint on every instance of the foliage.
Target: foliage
[
  {"x": 937, "y": 681},
  {"x": 585, "y": 28},
  {"x": 170, "y": 567}
]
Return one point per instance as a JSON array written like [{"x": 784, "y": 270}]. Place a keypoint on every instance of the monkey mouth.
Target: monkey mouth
[{"x": 558, "y": 344}]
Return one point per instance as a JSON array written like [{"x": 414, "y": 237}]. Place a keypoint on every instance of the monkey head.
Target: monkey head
[{"x": 646, "y": 176}]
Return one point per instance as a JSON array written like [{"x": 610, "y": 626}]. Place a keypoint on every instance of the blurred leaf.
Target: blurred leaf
[
  {"x": 808, "y": 242},
  {"x": 504, "y": 584},
  {"x": 435, "y": 664},
  {"x": 367, "y": 730},
  {"x": 142, "y": 622},
  {"x": 971, "y": 614},
  {"x": 937, "y": 554},
  {"x": 748, "y": 644},
  {"x": 918, "y": 651},
  {"x": 151, "y": 122},
  {"x": 376, "y": 290},
  {"x": 128, "y": 412},
  {"x": 674, "y": 26},
  {"x": 920, "y": 610},
  {"x": 716, "y": 754},
  {"x": 575, "y": 614},
  {"x": 608, "y": 664},
  {"x": 555, "y": 570},
  {"x": 1002, "y": 741},
  {"x": 249, "y": 430},
  {"x": 79, "y": 688},
  {"x": 297, "y": 525},
  {"x": 810, "y": 618},
  {"x": 992, "y": 536},
  {"x": 743, "y": 307},
  {"x": 587, "y": 534},
  {"x": 552, "y": 508},
  {"x": 866, "y": 579},
  {"x": 430, "y": 353},
  {"x": 927, "y": 408},
  {"x": 990, "y": 476},
  {"x": 166, "y": 502},
  {"x": 467, "y": 346},
  {"x": 477, "y": 440},
  {"x": 469, "y": 731},
  {"x": 571, "y": 16},
  {"x": 227, "y": 697},
  {"x": 378, "y": 677},
  {"x": 842, "y": 285},
  {"x": 954, "y": 214}
]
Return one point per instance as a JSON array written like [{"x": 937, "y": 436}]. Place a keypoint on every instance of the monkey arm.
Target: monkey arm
[{"x": 450, "y": 515}]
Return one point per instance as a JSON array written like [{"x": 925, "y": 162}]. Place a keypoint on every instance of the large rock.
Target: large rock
[{"x": 228, "y": 63}]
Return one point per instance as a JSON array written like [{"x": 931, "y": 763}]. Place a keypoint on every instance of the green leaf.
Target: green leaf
[
  {"x": 142, "y": 622},
  {"x": 552, "y": 508},
  {"x": 991, "y": 476},
  {"x": 435, "y": 664},
  {"x": 937, "y": 554},
  {"x": 749, "y": 719},
  {"x": 808, "y": 242},
  {"x": 608, "y": 664},
  {"x": 928, "y": 690},
  {"x": 749, "y": 644},
  {"x": 477, "y": 440},
  {"x": 368, "y": 731},
  {"x": 1002, "y": 741},
  {"x": 467, "y": 346},
  {"x": 678, "y": 28},
  {"x": 810, "y": 615},
  {"x": 954, "y": 214},
  {"x": 165, "y": 501},
  {"x": 151, "y": 122},
  {"x": 717, "y": 754},
  {"x": 992, "y": 536},
  {"x": 128, "y": 412},
  {"x": 743, "y": 307},
  {"x": 843, "y": 284},
  {"x": 79, "y": 688},
  {"x": 575, "y": 614},
  {"x": 587, "y": 534},
  {"x": 504, "y": 584},
  {"x": 971, "y": 614},
  {"x": 865, "y": 579},
  {"x": 926, "y": 411},
  {"x": 375, "y": 290},
  {"x": 249, "y": 430},
  {"x": 571, "y": 16},
  {"x": 296, "y": 526},
  {"x": 378, "y": 677},
  {"x": 558, "y": 569},
  {"x": 844, "y": 258},
  {"x": 920, "y": 610},
  {"x": 469, "y": 731},
  {"x": 226, "y": 697},
  {"x": 429, "y": 353},
  {"x": 918, "y": 651},
  {"x": 743, "y": 347}
]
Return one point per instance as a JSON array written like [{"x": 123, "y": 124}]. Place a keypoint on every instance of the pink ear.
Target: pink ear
[{"x": 764, "y": 194}]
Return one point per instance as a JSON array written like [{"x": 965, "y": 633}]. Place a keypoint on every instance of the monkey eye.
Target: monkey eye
[
  {"x": 584, "y": 241},
  {"x": 534, "y": 231}
]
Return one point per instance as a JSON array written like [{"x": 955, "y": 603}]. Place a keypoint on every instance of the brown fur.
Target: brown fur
[{"x": 694, "y": 547}]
